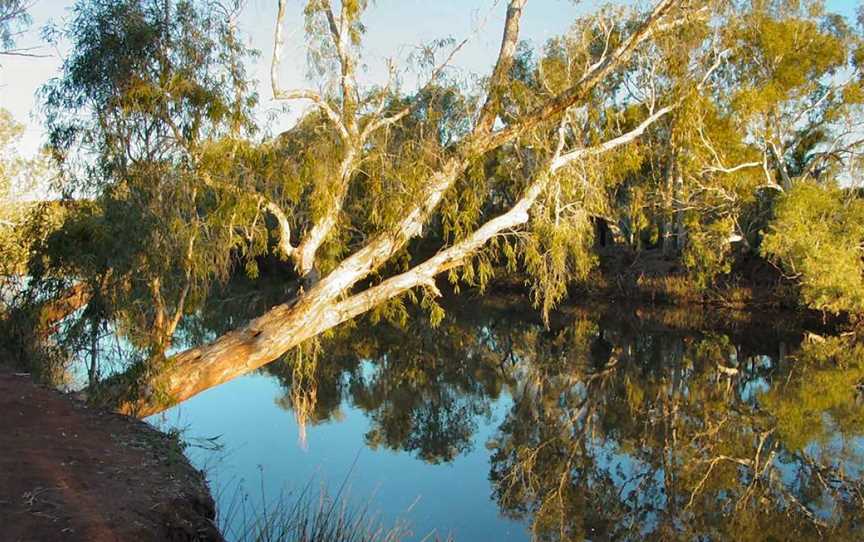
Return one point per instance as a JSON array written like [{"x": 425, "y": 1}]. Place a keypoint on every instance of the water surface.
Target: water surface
[{"x": 610, "y": 423}]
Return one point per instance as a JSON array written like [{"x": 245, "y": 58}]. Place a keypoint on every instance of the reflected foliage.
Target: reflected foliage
[{"x": 619, "y": 425}]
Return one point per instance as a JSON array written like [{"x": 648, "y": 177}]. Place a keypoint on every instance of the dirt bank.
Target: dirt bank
[{"x": 70, "y": 472}]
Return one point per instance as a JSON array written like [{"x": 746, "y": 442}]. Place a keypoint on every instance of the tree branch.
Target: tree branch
[
  {"x": 383, "y": 122},
  {"x": 377, "y": 251},
  {"x": 623, "y": 139},
  {"x": 509, "y": 41},
  {"x": 282, "y": 327},
  {"x": 517, "y": 215},
  {"x": 284, "y": 241},
  {"x": 297, "y": 94},
  {"x": 346, "y": 65},
  {"x": 580, "y": 90}
]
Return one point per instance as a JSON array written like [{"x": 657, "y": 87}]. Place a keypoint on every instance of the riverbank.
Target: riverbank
[
  {"x": 71, "y": 472},
  {"x": 652, "y": 279}
]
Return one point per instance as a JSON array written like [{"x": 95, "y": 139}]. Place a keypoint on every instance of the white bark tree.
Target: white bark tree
[{"x": 353, "y": 286}]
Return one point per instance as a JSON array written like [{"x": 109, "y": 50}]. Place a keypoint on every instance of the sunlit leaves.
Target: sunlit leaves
[
  {"x": 818, "y": 238},
  {"x": 21, "y": 225},
  {"x": 152, "y": 91},
  {"x": 707, "y": 252}
]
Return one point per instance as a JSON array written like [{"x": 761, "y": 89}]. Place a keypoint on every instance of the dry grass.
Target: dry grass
[{"x": 309, "y": 516}]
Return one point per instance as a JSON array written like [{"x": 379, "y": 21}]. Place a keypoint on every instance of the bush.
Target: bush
[{"x": 817, "y": 236}]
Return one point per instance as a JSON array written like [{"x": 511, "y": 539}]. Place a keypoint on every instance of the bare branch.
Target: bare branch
[
  {"x": 623, "y": 139},
  {"x": 509, "y": 41},
  {"x": 24, "y": 53},
  {"x": 339, "y": 32},
  {"x": 399, "y": 115},
  {"x": 733, "y": 169},
  {"x": 297, "y": 94},
  {"x": 585, "y": 84}
]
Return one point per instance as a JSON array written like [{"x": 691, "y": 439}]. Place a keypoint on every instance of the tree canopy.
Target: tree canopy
[
  {"x": 14, "y": 17},
  {"x": 707, "y": 131}
]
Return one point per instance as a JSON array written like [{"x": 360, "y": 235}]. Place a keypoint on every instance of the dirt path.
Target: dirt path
[{"x": 69, "y": 472}]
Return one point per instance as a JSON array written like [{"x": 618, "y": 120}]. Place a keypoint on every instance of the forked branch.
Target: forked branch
[
  {"x": 297, "y": 94},
  {"x": 457, "y": 254}
]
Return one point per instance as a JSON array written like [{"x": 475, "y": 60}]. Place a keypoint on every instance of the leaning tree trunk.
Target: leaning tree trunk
[
  {"x": 236, "y": 353},
  {"x": 280, "y": 329},
  {"x": 329, "y": 302},
  {"x": 286, "y": 326}
]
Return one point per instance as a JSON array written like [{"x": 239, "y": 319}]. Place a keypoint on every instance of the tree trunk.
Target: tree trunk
[
  {"x": 286, "y": 326},
  {"x": 678, "y": 204},
  {"x": 238, "y": 352},
  {"x": 328, "y": 302},
  {"x": 282, "y": 328}
]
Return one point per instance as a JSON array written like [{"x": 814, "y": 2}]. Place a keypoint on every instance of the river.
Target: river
[{"x": 610, "y": 423}]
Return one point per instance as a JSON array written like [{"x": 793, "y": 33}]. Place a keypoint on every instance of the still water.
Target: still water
[{"x": 609, "y": 424}]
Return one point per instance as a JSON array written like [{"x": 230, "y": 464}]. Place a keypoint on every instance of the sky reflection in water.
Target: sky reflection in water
[{"x": 609, "y": 425}]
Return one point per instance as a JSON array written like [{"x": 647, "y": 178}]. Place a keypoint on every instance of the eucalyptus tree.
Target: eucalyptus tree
[
  {"x": 152, "y": 116},
  {"x": 796, "y": 76},
  {"x": 441, "y": 164},
  {"x": 789, "y": 108},
  {"x": 14, "y": 18},
  {"x": 817, "y": 237},
  {"x": 19, "y": 175},
  {"x": 16, "y": 172},
  {"x": 146, "y": 85},
  {"x": 798, "y": 79},
  {"x": 784, "y": 105}
]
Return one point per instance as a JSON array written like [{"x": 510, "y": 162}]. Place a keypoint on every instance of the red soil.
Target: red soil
[{"x": 74, "y": 473}]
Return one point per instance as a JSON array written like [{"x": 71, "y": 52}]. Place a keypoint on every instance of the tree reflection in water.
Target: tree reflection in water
[{"x": 624, "y": 425}]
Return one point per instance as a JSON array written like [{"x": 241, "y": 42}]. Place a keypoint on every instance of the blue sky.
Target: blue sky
[{"x": 395, "y": 27}]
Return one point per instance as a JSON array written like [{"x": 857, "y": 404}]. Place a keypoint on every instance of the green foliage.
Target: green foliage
[
  {"x": 783, "y": 53},
  {"x": 147, "y": 81},
  {"x": 817, "y": 236},
  {"x": 20, "y": 177},
  {"x": 322, "y": 54},
  {"x": 11, "y": 165},
  {"x": 19, "y": 228},
  {"x": 13, "y": 18},
  {"x": 707, "y": 252},
  {"x": 557, "y": 251},
  {"x": 150, "y": 93},
  {"x": 151, "y": 124}
]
